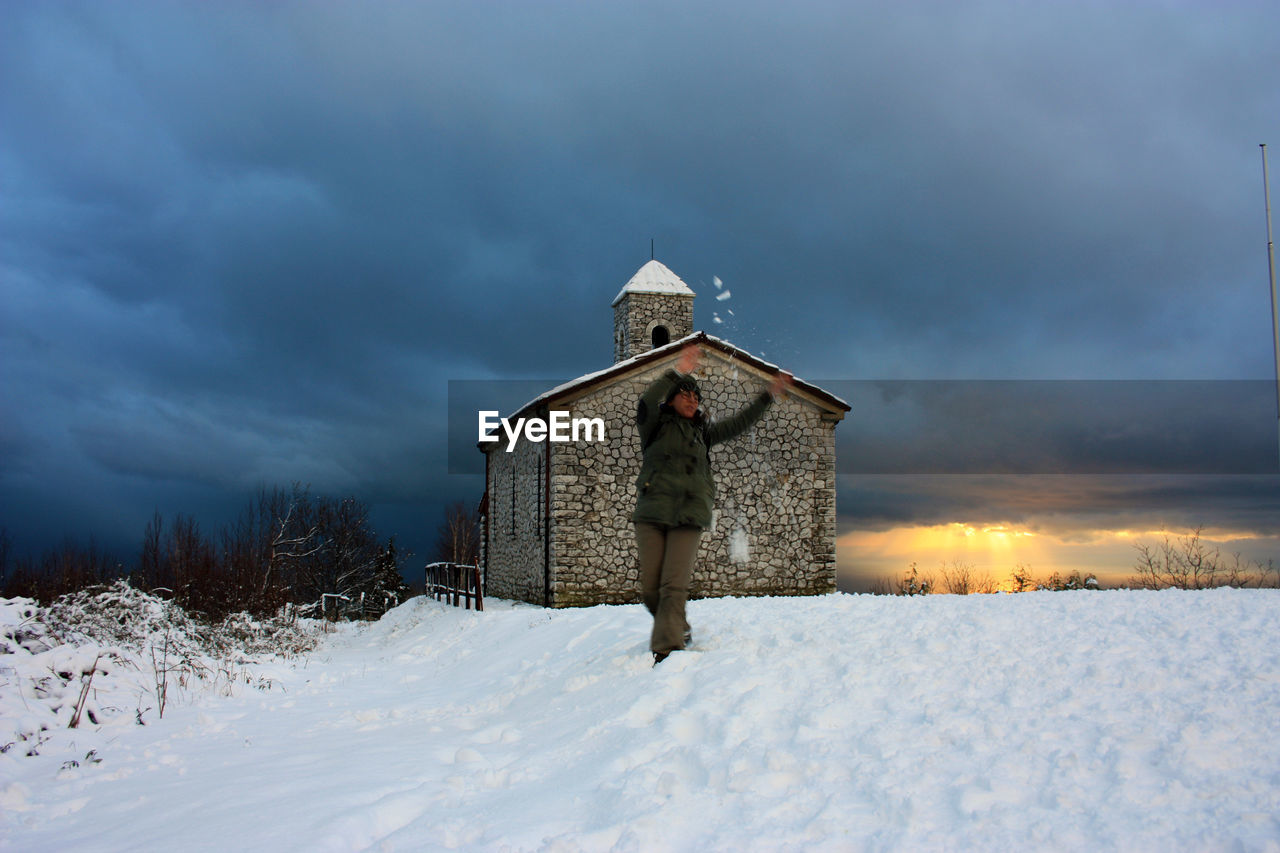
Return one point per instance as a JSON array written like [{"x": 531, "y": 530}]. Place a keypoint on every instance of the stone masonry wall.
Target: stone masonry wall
[
  {"x": 514, "y": 553},
  {"x": 636, "y": 313}
]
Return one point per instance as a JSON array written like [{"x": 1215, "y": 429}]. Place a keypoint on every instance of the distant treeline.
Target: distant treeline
[
  {"x": 287, "y": 547},
  {"x": 960, "y": 578},
  {"x": 1186, "y": 562}
]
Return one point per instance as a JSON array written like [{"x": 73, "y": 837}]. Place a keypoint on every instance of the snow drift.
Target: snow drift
[{"x": 1073, "y": 721}]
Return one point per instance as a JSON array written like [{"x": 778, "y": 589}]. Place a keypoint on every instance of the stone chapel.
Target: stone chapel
[{"x": 556, "y": 516}]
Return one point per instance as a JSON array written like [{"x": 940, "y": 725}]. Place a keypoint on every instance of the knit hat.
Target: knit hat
[{"x": 686, "y": 384}]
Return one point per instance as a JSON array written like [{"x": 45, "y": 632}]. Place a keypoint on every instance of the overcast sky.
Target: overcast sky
[{"x": 249, "y": 244}]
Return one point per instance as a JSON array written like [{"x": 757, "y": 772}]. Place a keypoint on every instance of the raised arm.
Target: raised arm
[
  {"x": 730, "y": 427},
  {"x": 650, "y": 400}
]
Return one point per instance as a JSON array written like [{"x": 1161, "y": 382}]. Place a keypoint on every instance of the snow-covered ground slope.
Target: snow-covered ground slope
[{"x": 1065, "y": 721}]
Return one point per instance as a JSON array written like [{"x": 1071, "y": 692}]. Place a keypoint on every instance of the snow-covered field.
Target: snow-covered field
[{"x": 1043, "y": 721}]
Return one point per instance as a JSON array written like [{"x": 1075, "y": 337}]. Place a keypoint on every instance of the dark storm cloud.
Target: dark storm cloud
[
  {"x": 1070, "y": 505},
  {"x": 245, "y": 243},
  {"x": 1058, "y": 427}
]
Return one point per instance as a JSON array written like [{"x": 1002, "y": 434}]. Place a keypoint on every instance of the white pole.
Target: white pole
[{"x": 1271, "y": 270}]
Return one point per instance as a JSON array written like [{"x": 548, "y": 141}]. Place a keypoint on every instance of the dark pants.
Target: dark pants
[{"x": 666, "y": 564}]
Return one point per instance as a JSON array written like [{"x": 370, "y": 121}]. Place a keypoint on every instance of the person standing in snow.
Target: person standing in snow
[{"x": 675, "y": 491}]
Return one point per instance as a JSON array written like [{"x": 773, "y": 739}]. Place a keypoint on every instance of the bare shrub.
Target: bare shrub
[
  {"x": 963, "y": 579},
  {"x": 883, "y": 585},
  {"x": 97, "y": 642},
  {"x": 1189, "y": 562},
  {"x": 120, "y": 615}
]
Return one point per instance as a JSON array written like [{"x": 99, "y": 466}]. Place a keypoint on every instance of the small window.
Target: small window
[{"x": 661, "y": 337}]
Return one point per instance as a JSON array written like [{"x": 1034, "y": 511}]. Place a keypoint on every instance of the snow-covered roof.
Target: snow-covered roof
[
  {"x": 582, "y": 383},
  {"x": 653, "y": 277}
]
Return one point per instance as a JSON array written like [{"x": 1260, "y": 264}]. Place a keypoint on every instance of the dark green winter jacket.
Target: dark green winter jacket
[{"x": 675, "y": 487}]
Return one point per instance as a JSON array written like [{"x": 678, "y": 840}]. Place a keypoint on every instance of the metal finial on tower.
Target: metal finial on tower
[{"x": 650, "y": 248}]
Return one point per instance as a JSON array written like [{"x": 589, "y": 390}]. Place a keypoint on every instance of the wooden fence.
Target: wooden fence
[{"x": 455, "y": 583}]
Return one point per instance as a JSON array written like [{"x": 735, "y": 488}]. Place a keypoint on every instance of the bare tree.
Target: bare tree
[
  {"x": 293, "y": 530},
  {"x": 191, "y": 560},
  {"x": 150, "y": 559},
  {"x": 354, "y": 552},
  {"x": 962, "y": 579},
  {"x": 260, "y": 550},
  {"x": 1191, "y": 563},
  {"x": 350, "y": 560},
  {"x": 59, "y": 571},
  {"x": 458, "y": 536}
]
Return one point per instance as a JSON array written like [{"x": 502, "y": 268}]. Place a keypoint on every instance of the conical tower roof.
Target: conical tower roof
[{"x": 654, "y": 277}]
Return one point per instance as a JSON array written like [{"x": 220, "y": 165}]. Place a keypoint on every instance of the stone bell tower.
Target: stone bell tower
[{"x": 652, "y": 310}]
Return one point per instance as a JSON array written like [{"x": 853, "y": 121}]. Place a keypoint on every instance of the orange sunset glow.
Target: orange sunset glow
[{"x": 993, "y": 549}]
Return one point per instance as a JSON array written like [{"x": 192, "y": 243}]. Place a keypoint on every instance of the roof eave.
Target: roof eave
[{"x": 585, "y": 384}]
